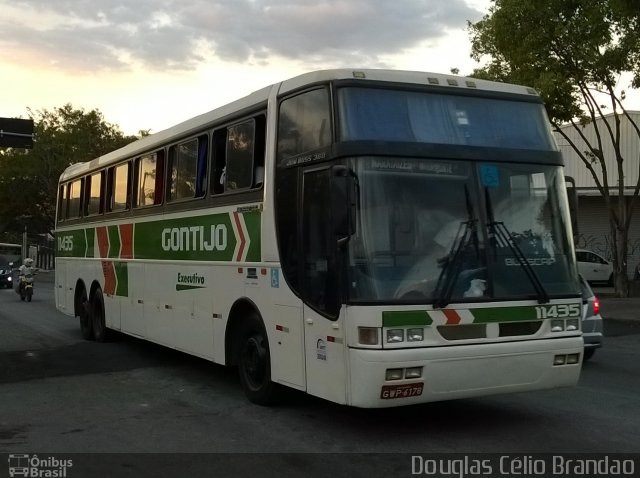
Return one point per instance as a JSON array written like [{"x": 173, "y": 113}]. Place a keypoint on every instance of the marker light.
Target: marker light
[{"x": 368, "y": 335}]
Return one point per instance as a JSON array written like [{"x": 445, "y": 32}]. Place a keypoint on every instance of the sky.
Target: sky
[{"x": 150, "y": 64}]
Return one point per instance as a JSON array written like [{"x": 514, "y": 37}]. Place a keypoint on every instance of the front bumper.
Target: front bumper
[{"x": 462, "y": 371}]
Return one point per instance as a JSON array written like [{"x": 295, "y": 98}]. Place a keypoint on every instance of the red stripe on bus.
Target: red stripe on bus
[
  {"x": 243, "y": 241},
  {"x": 109, "y": 271},
  {"x": 126, "y": 241},
  {"x": 452, "y": 316},
  {"x": 103, "y": 241}
]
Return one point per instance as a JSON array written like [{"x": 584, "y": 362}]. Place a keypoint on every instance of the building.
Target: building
[{"x": 593, "y": 217}]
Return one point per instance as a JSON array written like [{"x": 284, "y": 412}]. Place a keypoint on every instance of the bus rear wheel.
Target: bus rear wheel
[
  {"x": 254, "y": 364},
  {"x": 100, "y": 331}
]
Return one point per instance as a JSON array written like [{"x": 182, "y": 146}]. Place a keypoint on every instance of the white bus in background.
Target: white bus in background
[{"x": 375, "y": 238}]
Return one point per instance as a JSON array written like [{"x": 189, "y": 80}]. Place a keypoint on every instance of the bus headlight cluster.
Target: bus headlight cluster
[
  {"x": 400, "y": 373},
  {"x": 395, "y": 336},
  {"x": 371, "y": 335},
  {"x": 570, "y": 325},
  {"x": 570, "y": 359}
]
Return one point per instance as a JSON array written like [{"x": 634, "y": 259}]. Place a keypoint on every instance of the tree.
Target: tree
[
  {"x": 29, "y": 178},
  {"x": 574, "y": 53}
]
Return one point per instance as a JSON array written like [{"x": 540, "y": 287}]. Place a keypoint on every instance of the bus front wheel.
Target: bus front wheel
[{"x": 254, "y": 363}]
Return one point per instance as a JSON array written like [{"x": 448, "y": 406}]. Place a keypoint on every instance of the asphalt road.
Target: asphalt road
[{"x": 61, "y": 395}]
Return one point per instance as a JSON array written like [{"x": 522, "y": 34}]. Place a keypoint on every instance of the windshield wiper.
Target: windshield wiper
[
  {"x": 448, "y": 278},
  {"x": 504, "y": 238}
]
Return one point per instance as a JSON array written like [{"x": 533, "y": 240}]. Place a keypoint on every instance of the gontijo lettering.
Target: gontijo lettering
[{"x": 195, "y": 238}]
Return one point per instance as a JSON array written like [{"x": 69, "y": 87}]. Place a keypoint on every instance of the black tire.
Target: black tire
[
  {"x": 100, "y": 331},
  {"x": 610, "y": 281},
  {"x": 588, "y": 353},
  {"x": 29, "y": 294},
  {"x": 254, "y": 363},
  {"x": 84, "y": 307}
]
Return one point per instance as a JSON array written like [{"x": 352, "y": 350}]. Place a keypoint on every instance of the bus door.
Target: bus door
[{"x": 322, "y": 312}]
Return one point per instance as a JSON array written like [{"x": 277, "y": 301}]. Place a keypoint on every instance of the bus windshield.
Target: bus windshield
[{"x": 434, "y": 231}]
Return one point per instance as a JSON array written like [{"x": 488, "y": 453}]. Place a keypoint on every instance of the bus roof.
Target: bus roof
[{"x": 260, "y": 97}]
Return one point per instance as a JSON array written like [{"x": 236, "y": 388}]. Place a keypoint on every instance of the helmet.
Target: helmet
[{"x": 28, "y": 262}]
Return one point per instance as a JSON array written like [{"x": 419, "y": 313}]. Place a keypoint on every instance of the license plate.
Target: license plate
[{"x": 401, "y": 391}]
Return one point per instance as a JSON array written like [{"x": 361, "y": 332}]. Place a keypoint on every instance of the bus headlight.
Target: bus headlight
[
  {"x": 395, "y": 336},
  {"x": 393, "y": 374},
  {"x": 557, "y": 325},
  {"x": 415, "y": 335},
  {"x": 573, "y": 324}
]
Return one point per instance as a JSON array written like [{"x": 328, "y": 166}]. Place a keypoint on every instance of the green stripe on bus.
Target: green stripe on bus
[
  {"x": 90, "y": 236},
  {"x": 400, "y": 318},
  {"x": 252, "y": 220},
  {"x": 114, "y": 242},
  {"x": 122, "y": 278}
]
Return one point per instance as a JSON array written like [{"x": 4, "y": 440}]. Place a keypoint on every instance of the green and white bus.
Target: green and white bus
[{"x": 375, "y": 238}]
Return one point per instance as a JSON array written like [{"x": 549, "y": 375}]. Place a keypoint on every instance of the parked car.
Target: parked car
[
  {"x": 591, "y": 320},
  {"x": 6, "y": 276},
  {"x": 593, "y": 267}
]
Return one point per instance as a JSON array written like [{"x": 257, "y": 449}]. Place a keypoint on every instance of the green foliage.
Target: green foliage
[
  {"x": 574, "y": 53},
  {"x": 563, "y": 48},
  {"x": 29, "y": 178}
]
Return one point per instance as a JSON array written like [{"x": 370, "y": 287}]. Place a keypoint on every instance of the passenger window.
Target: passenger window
[
  {"x": 187, "y": 169},
  {"x": 118, "y": 191},
  {"x": 149, "y": 179},
  {"x": 304, "y": 124},
  {"x": 93, "y": 196},
  {"x": 75, "y": 193},
  {"x": 238, "y": 156},
  {"x": 63, "y": 207},
  {"x": 239, "y": 167}
]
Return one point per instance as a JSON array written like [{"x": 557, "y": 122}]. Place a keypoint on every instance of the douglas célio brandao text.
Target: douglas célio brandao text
[{"x": 521, "y": 465}]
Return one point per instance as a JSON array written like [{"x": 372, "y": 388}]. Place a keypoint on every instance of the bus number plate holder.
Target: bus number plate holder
[{"x": 404, "y": 390}]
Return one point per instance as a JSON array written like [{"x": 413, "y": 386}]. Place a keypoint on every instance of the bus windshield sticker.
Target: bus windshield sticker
[{"x": 489, "y": 176}]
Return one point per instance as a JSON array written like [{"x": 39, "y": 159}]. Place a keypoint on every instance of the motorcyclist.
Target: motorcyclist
[{"x": 24, "y": 270}]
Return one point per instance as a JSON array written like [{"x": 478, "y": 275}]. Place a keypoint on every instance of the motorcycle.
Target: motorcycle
[{"x": 25, "y": 286}]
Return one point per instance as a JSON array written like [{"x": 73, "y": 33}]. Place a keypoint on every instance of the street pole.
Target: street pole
[{"x": 24, "y": 244}]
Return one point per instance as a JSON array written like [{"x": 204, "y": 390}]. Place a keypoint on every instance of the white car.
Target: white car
[{"x": 593, "y": 267}]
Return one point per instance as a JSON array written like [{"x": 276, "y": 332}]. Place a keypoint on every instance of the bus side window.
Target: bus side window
[
  {"x": 118, "y": 196},
  {"x": 75, "y": 201},
  {"x": 239, "y": 167},
  {"x": 188, "y": 169},
  {"x": 304, "y": 123},
  {"x": 63, "y": 204},
  {"x": 93, "y": 195},
  {"x": 259, "y": 151},
  {"x": 149, "y": 179},
  {"x": 218, "y": 161}
]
